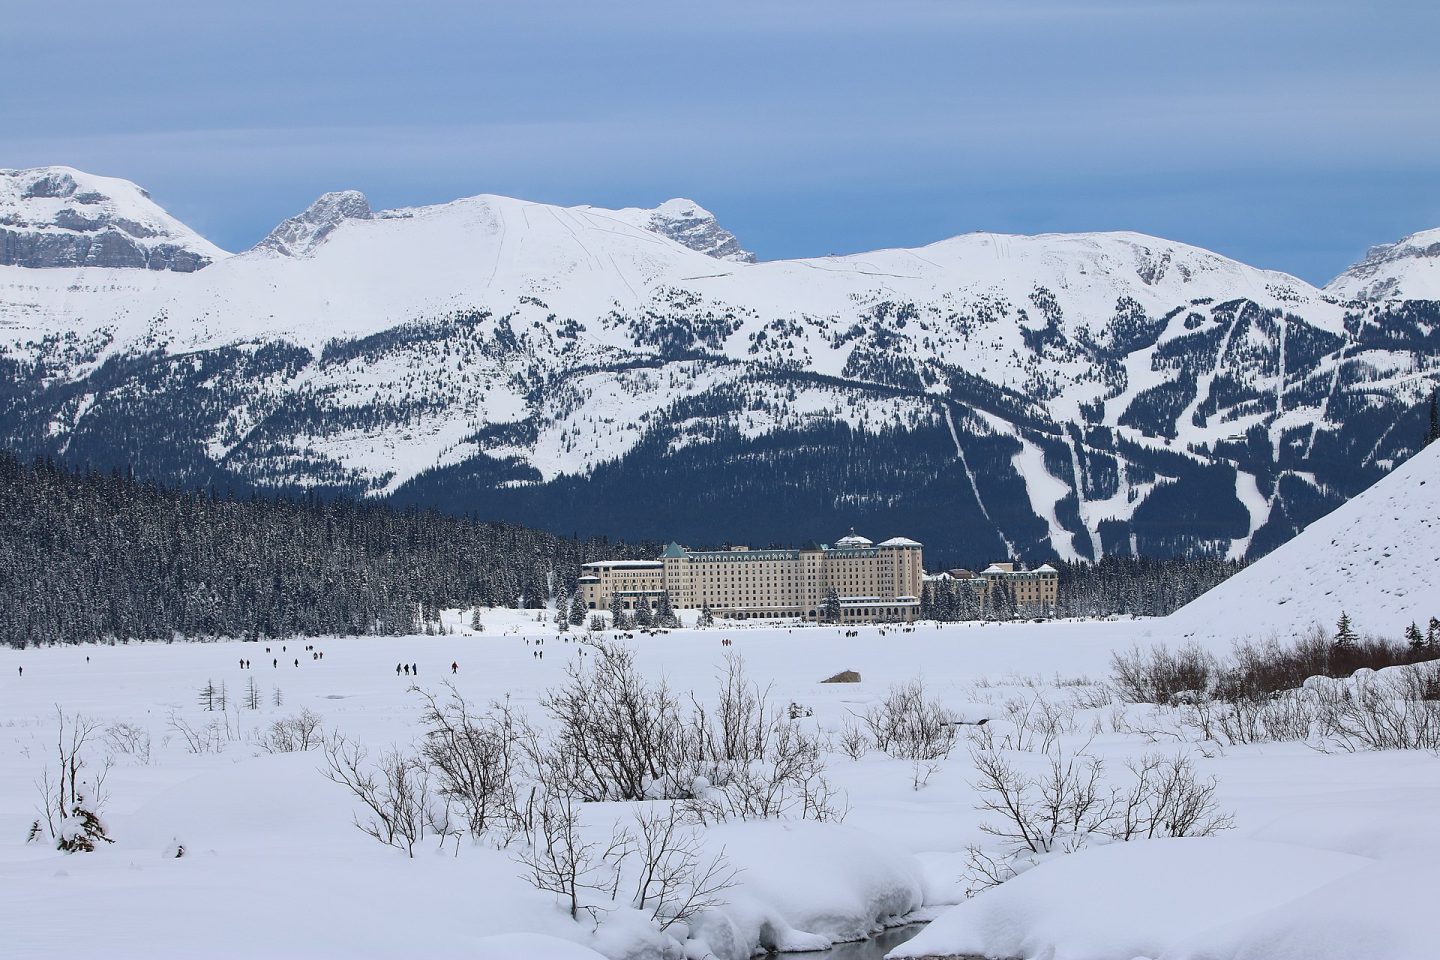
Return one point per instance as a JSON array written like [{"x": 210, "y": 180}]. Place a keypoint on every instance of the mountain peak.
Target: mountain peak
[
  {"x": 301, "y": 234},
  {"x": 688, "y": 223},
  {"x": 1407, "y": 269},
  {"x": 62, "y": 217}
]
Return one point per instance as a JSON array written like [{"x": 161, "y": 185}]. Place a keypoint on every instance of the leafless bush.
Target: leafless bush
[
  {"x": 70, "y": 799},
  {"x": 1159, "y": 675},
  {"x": 211, "y": 737},
  {"x": 673, "y": 879},
  {"x": 617, "y": 733},
  {"x": 560, "y": 861},
  {"x": 909, "y": 726},
  {"x": 395, "y": 791},
  {"x": 129, "y": 740},
  {"x": 852, "y": 740},
  {"x": 676, "y": 880},
  {"x": 1390, "y": 711},
  {"x": 1036, "y": 724},
  {"x": 787, "y": 781},
  {"x": 1071, "y": 801},
  {"x": 1167, "y": 799},
  {"x": 293, "y": 734},
  {"x": 476, "y": 758}
]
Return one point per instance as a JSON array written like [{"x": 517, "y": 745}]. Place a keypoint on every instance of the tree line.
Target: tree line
[{"x": 92, "y": 557}]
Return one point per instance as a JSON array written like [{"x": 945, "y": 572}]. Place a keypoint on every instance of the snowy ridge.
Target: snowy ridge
[{"x": 1374, "y": 558}]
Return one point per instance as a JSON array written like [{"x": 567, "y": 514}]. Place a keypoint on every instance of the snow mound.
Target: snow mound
[
  {"x": 1140, "y": 899},
  {"x": 1368, "y": 915},
  {"x": 1408, "y": 269},
  {"x": 1375, "y": 558}
]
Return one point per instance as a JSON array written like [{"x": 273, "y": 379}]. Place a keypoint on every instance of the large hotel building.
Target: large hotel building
[{"x": 874, "y": 581}]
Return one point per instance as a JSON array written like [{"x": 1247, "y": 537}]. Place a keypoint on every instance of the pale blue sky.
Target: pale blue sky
[{"x": 1291, "y": 135}]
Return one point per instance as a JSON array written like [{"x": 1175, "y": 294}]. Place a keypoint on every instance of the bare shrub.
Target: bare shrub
[
  {"x": 293, "y": 734},
  {"x": 71, "y": 798},
  {"x": 1167, "y": 799},
  {"x": 1390, "y": 711},
  {"x": 211, "y": 737},
  {"x": 1036, "y": 724},
  {"x": 395, "y": 792},
  {"x": 1071, "y": 802},
  {"x": 129, "y": 740},
  {"x": 909, "y": 726},
  {"x": 1160, "y": 675},
  {"x": 788, "y": 780},
  {"x": 617, "y": 733},
  {"x": 852, "y": 740},
  {"x": 476, "y": 758},
  {"x": 676, "y": 881}
]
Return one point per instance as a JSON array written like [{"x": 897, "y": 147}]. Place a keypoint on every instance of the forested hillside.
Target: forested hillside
[{"x": 94, "y": 557}]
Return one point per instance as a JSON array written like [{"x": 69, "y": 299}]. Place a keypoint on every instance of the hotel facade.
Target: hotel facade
[{"x": 874, "y": 581}]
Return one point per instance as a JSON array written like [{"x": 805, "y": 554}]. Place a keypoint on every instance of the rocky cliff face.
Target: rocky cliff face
[
  {"x": 301, "y": 234},
  {"x": 59, "y": 217},
  {"x": 1408, "y": 269},
  {"x": 689, "y": 224}
]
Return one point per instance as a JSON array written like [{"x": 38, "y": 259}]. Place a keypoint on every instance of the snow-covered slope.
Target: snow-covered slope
[
  {"x": 1408, "y": 269},
  {"x": 61, "y": 217},
  {"x": 1376, "y": 558},
  {"x": 1068, "y": 395}
]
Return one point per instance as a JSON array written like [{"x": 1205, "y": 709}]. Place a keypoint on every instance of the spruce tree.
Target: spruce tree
[
  {"x": 643, "y": 617},
  {"x": 665, "y": 613},
  {"x": 577, "y": 609},
  {"x": 707, "y": 619},
  {"x": 1344, "y": 634},
  {"x": 831, "y": 610},
  {"x": 1432, "y": 635},
  {"x": 618, "y": 618},
  {"x": 1433, "y": 433},
  {"x": 1414, "y": 638}
]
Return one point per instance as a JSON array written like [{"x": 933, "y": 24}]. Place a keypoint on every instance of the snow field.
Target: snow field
[{"x": 274, "y": 868}]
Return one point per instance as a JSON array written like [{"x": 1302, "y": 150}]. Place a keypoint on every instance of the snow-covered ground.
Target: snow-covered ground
[{"x": 274, "y": 868}]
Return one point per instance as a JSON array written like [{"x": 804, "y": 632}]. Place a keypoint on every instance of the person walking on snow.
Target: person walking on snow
[{"x": 454, "y": 668}]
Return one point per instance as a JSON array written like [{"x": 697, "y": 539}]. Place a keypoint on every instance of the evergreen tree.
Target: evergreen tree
[
  {"x": 208, "y": 695},
  {"x": 577, "y": 609},
  {"x": 1344, "y": 635},
  {"x": 1432, "y": 635},
  {"x": 707, "y": 619},
  {"x": 831, "y": 610},
  {"x": 1433, "y": 433},
  {"x": 643, "y": 617},
  {"x": 619, "y": 620},
  {"x": 665, "y": 613},
  {"x": 1414, "y": 638}
]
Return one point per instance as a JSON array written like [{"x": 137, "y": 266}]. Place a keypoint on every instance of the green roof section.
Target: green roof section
[{"x": 673, "y": 550}]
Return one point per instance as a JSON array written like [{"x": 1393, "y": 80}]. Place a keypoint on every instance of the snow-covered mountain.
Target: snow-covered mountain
[
  {"x": 1374, "y": 558},
  {"x": 629, "y": 371},
  {"x": 61, "y": 217},
  {"x": 1408, "y": 269}
]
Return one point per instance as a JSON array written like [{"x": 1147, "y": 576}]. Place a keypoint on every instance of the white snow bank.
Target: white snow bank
[
  {"x": 1367, "y": 915},
  {"x": 1130, "y": 899},
  {"x": 806, "y": 885},
  {"x": 531, "y": 946}
]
